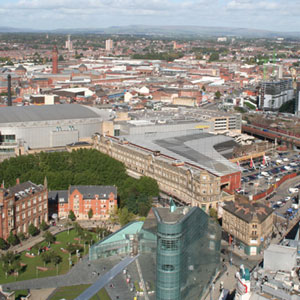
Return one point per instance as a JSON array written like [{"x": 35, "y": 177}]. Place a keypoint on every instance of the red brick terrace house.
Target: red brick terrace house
[
  {"x": 21, "y": 205},
  {"x": 81, "y": 198}
]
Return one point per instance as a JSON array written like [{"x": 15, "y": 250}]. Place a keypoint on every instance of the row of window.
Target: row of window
[{"x": 30, "y": 202}]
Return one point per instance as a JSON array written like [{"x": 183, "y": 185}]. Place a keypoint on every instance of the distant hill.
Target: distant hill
[{"x": 168, "y": 31}]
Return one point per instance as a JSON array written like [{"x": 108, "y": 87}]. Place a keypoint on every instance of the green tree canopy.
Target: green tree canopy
[
  {"x": 32, "y": 230},
  {"x": 218, "y": 94},
  {"x": 90, "y": 213},
  {"x": 71, "y": 215},
  {"x": 44, "y": 226},
  {"x": 124, "y": 216},
  {"x": 214, "y": 56},
  {"x": 13, "y": 239},
  {"x": 49, "y": 237},
  {"x": 81, "y": 167}
]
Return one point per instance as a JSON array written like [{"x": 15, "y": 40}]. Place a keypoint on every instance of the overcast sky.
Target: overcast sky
[{"x": 278, "y": 15}]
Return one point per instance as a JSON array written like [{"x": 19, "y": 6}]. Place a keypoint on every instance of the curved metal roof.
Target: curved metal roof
[{"x": 32, "y": 113}]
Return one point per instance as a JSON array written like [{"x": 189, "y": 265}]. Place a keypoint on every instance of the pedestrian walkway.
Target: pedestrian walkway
[
  {"x": 227, "y": 280},
  {"x": 30, "y": 242},
  {"x": 84, "y": 272}
]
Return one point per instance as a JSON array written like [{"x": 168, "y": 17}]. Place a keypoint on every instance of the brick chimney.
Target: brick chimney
[
  {"x": 2, "y": 193},
  {"x": 18, "y": 181}
]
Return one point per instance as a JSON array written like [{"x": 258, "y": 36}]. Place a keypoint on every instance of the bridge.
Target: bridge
[{"x": 282, "y": 136}]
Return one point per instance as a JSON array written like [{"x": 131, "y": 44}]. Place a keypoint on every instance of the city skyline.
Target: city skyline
[{"x": 276, "y": 15}]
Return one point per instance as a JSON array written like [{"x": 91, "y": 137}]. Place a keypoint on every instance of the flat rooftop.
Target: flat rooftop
[
  {"x": 197, "y": 149},
  {"x": 169, "y": 217},
  {"x": 180, "y": 113}
]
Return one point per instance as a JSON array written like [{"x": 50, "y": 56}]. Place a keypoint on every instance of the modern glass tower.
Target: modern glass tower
[
  {"x": 187, "y": 254},
  {"x": 179, "y": 251}
]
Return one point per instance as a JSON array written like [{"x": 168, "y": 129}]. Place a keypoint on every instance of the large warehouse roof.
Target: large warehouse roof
[
  {"x": 193, "y": 148},
  {"x": 14, "y": 114}
]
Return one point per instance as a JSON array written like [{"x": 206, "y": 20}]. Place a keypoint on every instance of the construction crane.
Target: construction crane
[
  {"x": 265, "y": 68},
  {"x": 274, "y": 63}
]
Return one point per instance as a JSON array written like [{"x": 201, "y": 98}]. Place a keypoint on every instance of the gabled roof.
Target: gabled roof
[
  {"x": 89, "y": 191},
  {"x": 248, "y": 212},
  {"x": 60, "y": 196}
]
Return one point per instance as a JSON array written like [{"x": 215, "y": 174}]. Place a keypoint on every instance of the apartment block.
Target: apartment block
[{"x": 21, "y": 205}]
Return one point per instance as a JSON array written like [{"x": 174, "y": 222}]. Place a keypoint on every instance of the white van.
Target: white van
[{"x": 293, "y": 190}]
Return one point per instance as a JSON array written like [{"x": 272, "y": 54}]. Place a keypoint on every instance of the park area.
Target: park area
[
  {"x": 47, "y": 259},
  {"x": 71, "y": 292}
]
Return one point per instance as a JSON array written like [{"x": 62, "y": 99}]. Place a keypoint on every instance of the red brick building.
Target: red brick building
[
  {"x": 22, "y": 205},
  {"x": 81, "y": 198}
]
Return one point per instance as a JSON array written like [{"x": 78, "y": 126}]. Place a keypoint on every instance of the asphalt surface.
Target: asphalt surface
[{"x": 106, "y": 278}]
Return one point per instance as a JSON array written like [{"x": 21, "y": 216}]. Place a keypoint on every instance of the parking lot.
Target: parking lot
[
  {"x": 284, "y": 199},
  {"x": 258, "y": 180}
]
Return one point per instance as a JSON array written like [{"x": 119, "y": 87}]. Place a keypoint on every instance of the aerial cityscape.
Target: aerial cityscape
[{"x": 156, "y": 161}]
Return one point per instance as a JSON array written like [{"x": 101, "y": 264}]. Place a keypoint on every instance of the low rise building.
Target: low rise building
[
  {"x": 101, "y": 200},
  {"x": 180, "y": 166},
  {"x": 248, "y": 226},
  {"x": 21, "y": 205}
]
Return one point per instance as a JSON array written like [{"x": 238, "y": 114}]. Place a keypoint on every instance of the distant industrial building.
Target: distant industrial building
[
  {"x": 44, "y": 99},
  {"x": 179, "y": 251},
  {"x": 34, "y": 127},
  {"x": 275, "y": 93},
  {"x": 174, "y": 119}
]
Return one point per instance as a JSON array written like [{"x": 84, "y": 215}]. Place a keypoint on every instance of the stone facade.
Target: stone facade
[
  {"x": 250, "y": 225},
  {"x": 188, "y": 183}
]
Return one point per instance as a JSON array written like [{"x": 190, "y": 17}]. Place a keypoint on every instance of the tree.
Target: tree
[
  {"x": 102, "y": 232},
  {"x": 213, "y": 213},
  {"x": 78, "y": 228},
  {"x": 124, "y": 216},
  {"x": 87, "y": 237},
  {"x": 56, "y": 259},
  {"x": 21, "y": 236},
  {"x": 3, "y": 244},
  {"x": 143, "y": 209},
  {"x": 13, "y": 239},
  {"x": 32, "y": 230},
  {"x": 44, "y": 226},
  {"x": 46, "y": 257},
  {"x": 218, "y": 94},
  {"x": 9, "y": 257},
  {"x": 214, "y": 56},
  {"x": 61, "y": 58},
  {"x": 49, "y": 237},
  {"x": 73, "y": 248},
  {"x": 90, "y": 213},
  {"x": 71, "y": 215},
  {"x": 114, "y": 216}
]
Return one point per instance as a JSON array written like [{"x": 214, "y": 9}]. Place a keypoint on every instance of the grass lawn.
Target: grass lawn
[
  {"x": 21, "y": 293},
  {"x": 71, "y": 292},
  {"x": 31, "y": 263}
]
